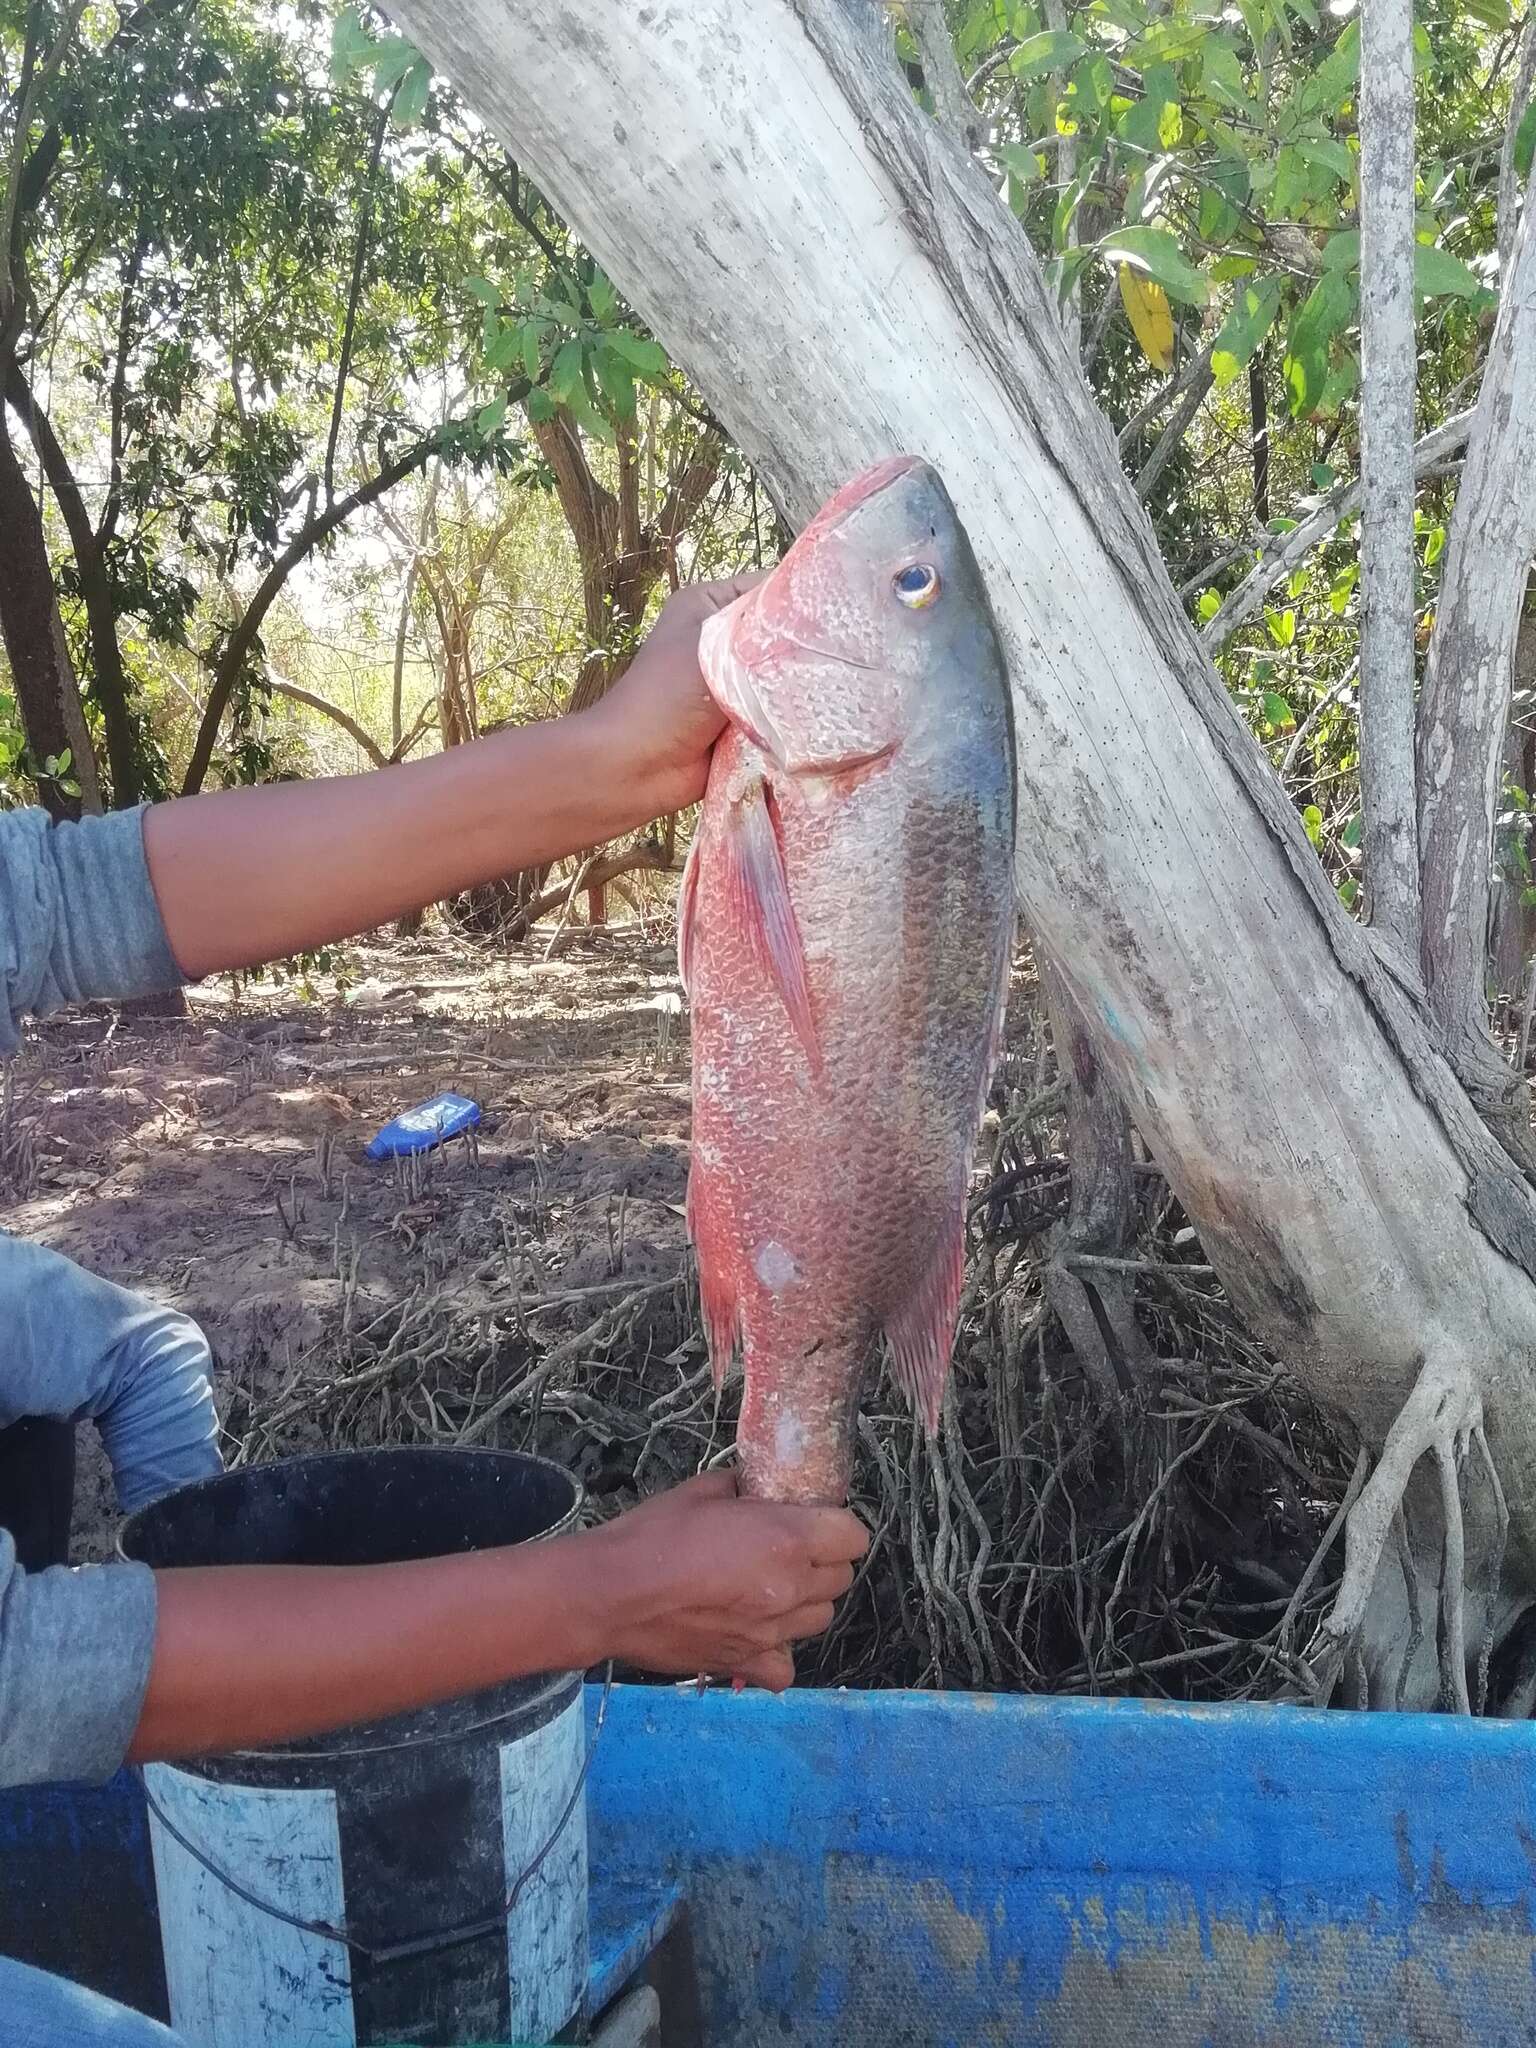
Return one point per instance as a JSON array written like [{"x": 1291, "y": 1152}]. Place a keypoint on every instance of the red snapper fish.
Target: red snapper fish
[{"x": 845, "y": 935}]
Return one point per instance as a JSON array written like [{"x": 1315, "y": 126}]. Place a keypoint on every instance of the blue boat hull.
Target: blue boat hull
[{"x": 883, "y": 1870}]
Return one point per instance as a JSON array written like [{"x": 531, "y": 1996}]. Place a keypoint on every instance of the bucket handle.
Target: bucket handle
[{"x": 413, "y": 1945}]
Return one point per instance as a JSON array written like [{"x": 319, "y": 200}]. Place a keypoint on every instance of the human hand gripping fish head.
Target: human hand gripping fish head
[{"x": 846, "y": 926}]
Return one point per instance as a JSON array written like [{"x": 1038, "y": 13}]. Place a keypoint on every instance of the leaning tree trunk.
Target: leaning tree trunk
[{"x": 842, "y": 282}]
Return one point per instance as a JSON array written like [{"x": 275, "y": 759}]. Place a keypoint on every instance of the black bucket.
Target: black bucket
[{"x": 354, "y": 1887}]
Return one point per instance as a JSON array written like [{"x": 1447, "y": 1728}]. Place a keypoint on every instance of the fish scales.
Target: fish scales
[{"x": 846, "y": 927}]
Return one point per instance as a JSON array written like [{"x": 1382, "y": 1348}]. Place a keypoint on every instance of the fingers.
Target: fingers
[
  {"x": 719, "y": 1485},
  {"x": 773, "y": 1670},
  {"x": 833, "y": 1536},
  {"x": 726, "y": 590},
  {"x": 814, "y": 1619},
  {"x": 828, "y": 1581}
]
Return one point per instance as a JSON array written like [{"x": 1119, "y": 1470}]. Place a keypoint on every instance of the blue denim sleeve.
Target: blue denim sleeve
[
  {"x": 75, "y": 1645},
  {"x": 78, "y": 916}
]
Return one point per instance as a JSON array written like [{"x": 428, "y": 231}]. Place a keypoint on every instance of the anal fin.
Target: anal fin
[{"x": 920, "y": 1334}]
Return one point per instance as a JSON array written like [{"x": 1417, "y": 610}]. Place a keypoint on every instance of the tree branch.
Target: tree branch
[
  {"x": 354, "y": 293},
  {"x": 119, "y": 393},
  {"x": 1465, "y": 706},
  {"x": 1189, "y": 372},
  {"x": 1388, "y": 378},
  {"x": 952, "y": 104},
  {"x": 1168, "y": 441},
  {"x": 243, "y": 638},
  {"x": 10, "y": 200},
  {"x": 96, "y": 593},
  {"x": 282, "y": 687},
  {"x": 1341, "y": 503}
]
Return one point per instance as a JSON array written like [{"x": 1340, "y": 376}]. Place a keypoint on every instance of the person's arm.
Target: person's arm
[
  {"x": 76, "y": 1347},
  {"x": 256, "y": 874},
  {"x": 693, "y": 1581}
]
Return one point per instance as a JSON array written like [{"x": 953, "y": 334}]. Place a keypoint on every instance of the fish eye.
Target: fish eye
[{"x": 917, "y": 585}]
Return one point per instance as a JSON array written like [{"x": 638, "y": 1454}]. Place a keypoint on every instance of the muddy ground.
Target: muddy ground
[{"x": 534, "y": 1289}]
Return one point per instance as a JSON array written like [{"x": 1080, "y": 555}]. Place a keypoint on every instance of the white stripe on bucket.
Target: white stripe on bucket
[
  {"x": 547, "y": 1928},
  {"x": 236, "y": 1977}
]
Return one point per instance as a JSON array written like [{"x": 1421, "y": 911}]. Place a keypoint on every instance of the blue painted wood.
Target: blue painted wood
[
  {"x": 901, "y": 1869},
  {"x": 628, "y": 1922},
  {"x": 927, "y": 1871}
]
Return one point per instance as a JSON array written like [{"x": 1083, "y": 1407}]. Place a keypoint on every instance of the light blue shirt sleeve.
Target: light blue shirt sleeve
[
  {"x": 78, "y": 916},
  {"x": 75, "y": 1645},
  {"x": 79, "y": 921}
]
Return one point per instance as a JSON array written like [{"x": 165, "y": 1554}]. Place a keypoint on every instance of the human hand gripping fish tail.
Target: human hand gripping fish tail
[{"x": 845, "y": 935}]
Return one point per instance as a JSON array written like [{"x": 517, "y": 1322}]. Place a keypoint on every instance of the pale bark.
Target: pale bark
[
  {"x": 842, "y": 283},
  {"x": 1464, "y": 712},
  {"x": 952, "y": 104},
  {"x": 1388, "y": 382}
]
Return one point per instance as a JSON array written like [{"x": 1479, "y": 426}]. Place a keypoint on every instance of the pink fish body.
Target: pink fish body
[{"x": 846, "y": 928}]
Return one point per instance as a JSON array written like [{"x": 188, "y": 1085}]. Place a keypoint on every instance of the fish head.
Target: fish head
[{"x": 849, "y": 647}]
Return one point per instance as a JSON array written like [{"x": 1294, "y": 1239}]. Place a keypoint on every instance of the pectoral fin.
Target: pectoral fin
[{"x": 758, "y": 893}]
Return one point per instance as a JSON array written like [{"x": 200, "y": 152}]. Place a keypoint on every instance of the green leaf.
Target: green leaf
[
  {"x": 1438, "y": 274},
  {"x": 1349, "y": 889},
  {"x": 1025, "y": 164},
  {"x": 481, "y": 288},
  {"x": 645, "y": 358},
  {"x": 617, "y": 381},
  {"x": 1277, "y": 713},
  {"x": 411, "y": 99},
  {"x": 1494, "y": 14},
  {"x": 490, "y": 417},
  {"x": 1209, "y": 605},
  {"x": 1434, "y": 547},
  {"x": 1332, "y": 156},
  {"x": 531, "y": 338},
  {"x": 1328, "y": 309},
  {"x": 351, "y": 46},
  {"x": 1225, "y": 268},
  {"x": 1353, "y": 833},
  {"x": 1342, "y": 251},
  {"x": 393, "y": 57},
  {"x": 1170, "y": 124},
  {"x": 502, "y": 351},
  {"x": 1252, "y": 314},
  {"x": 1340, "y": 384},
  {"x": 1342, "y": 588},
  {"x": 1053, "y": 49},
  {"x": 1282, "y": 626},
  {"x": 603, "y": 299},
  {"x": 1332, "y": 82},
  {"x": 1222, "y": 74},
  {"x": 1525, "y": 141},
  {"x": 565, "y": 373},
  {"x": 541, "y": 407},
  {"x": 1157, "y": 252},
  {"x": 1312, "y": 819}
]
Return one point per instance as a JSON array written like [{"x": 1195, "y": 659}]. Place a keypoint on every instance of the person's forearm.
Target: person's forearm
[
  {"x": 259, "y": 1654},
  {"x": 253, "y": 875}
]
